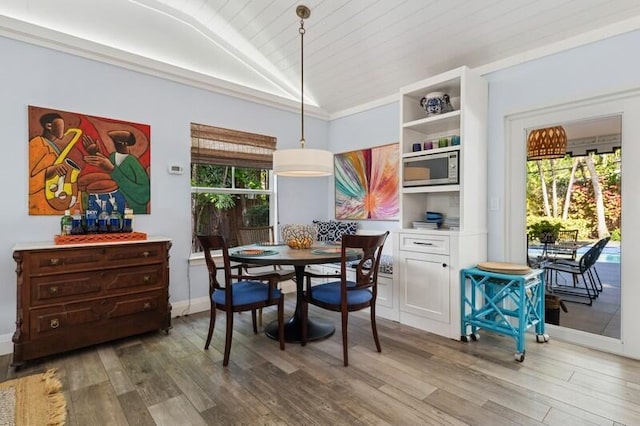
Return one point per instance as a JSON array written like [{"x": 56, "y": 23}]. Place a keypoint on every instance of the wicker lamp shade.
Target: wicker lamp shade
[{"x": 550, "y": 142}]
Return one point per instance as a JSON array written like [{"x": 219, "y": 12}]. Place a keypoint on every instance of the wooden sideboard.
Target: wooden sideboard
[{"x": 72, "y": 296}]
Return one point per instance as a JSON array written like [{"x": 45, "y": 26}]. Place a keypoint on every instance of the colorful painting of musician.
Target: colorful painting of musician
[{"x": 76, "y": 160}]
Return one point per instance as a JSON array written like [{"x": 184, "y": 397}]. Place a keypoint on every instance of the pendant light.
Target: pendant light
[
  {"x": 550, "y": 142},
  {"x": 302, "y": 162}
]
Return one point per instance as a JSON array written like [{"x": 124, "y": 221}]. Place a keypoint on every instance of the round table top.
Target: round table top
[{"x": 284, "y": 255}]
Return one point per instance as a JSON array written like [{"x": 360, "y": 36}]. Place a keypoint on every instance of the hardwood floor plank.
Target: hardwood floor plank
[
  {"x": 463, "y": 410},
  {"x": 97, "y": 404},
  {"x": 200, "y": 399},
  {"x": 508, "y": 413},
  {"x": 84, "y": 368},
  {"x": 147, "y": 374},
  {"x": 426, "y": 410},
  {"x": 115, "y": 372},
  {"x": 175, "y": 411},
  {"x": 135, "y": 409}
]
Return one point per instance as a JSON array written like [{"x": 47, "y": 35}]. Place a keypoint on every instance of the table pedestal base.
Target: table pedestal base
[{"x": 318, "y": 329}]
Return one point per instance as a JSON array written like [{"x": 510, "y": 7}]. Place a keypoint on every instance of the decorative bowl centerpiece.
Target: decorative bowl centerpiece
[
  {"x": 435, "y": 103},
  {"x": 299, "y": 236}
]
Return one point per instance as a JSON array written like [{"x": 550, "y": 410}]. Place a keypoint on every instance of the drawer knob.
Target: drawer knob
[
  {"x": 145, "y": 254},
  {"x": 55, "y": 323},
  {"x": 54, "y": 261},
  {"x": 146, "y": 278},
  {"x": 147, "y": 306},
  {"x": 53, "y": 289},
  {"x": 444, "y": 265},
  {"x": 420, "y": 243}
]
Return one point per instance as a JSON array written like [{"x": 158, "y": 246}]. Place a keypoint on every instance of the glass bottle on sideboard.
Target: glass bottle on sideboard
[{"x": 66, "y": 222}]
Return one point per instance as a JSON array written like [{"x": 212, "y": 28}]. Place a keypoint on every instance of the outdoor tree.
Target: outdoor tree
[{"x": 589, "y": 187}]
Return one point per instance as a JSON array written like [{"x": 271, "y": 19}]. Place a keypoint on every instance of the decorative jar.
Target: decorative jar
[
  {"x": 299, "y": 236},
  {"x": 436, "y": 103}
]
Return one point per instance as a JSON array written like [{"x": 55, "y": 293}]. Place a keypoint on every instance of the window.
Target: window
[{"x": 230, "y": 181}]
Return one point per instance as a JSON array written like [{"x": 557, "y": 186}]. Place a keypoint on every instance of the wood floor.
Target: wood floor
[{"x": 417, "y": 379}]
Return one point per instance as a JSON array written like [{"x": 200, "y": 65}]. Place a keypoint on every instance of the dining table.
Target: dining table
[{"x": 269, "y": 254}]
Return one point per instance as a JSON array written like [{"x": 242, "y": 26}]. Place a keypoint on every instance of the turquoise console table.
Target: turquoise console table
[{"x": 503, "y": 303}]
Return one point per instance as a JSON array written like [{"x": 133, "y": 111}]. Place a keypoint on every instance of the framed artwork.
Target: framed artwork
[
  {"x": 367, "y": 183},
  {"x": 76, "y": 160}
]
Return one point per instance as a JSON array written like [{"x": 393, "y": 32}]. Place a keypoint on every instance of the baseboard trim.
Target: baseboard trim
[
  {"x": 186, "y": 307},
  {"x": 6, "y": 344}
]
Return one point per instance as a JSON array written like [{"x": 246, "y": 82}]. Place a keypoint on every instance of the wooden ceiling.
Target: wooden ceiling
[{"x": 357, "y": 52}]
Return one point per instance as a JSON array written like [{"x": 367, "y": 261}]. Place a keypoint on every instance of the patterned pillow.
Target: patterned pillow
[{"x": 334, "y": 230}]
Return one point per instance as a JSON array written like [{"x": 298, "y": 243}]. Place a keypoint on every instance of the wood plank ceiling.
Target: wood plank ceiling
[{"x": 356, "y": 52}]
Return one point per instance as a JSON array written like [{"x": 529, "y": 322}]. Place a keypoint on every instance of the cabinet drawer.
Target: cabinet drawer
[
  {"x": 137, "y": 278},
  {"x": 93, "y": 258},
  {"x": 64, "y": 318},
  {"x": 64, "y": 260},
  {"x": 135, "y": 254},
  {"x": 56, "y": 289},
  {"x": 78, "y": 285},
  {"x": 425, "y": 243}
]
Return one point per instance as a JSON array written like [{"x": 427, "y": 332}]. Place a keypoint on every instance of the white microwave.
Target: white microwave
[{"x": 432, "y": 169}]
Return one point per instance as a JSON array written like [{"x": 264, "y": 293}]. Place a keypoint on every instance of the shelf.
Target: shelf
[
  {"x": 427, "y": 189},
  {"x": 448, "y": 122},
  {"x": 431, "y": 151}
]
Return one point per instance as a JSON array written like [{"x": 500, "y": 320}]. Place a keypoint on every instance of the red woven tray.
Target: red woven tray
[{"x": 99, "y": 238}]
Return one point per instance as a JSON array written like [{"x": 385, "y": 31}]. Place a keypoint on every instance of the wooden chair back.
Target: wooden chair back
[{"x": 255, "y": 234}]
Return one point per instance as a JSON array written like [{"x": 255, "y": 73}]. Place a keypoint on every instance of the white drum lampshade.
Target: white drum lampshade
[{"x": 302, "y": 162}]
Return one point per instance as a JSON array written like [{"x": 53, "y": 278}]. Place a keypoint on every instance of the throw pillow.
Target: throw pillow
[{"x": 334, "y": 230}]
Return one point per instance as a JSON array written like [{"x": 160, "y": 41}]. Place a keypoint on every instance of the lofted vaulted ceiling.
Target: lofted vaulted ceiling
[{"x": 357, "y": 52}]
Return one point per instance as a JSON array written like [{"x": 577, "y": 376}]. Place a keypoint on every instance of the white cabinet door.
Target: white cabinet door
[{"x": 424, "y": 285}]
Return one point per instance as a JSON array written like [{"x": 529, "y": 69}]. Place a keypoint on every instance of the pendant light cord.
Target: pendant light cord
[{"x": 302, "y": 31}]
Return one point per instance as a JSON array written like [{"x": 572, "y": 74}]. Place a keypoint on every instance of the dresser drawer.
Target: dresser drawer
[
  {"x": 49, "y": 290},
  {"x": 64, "y": 260},
  {"x": 96, "y": 313},
  {"x": 136, "y": 254},
  {"x": 424, "y": 243},
  {"x": 133, "y": 278},
  {"x": 46, "y": 290}
]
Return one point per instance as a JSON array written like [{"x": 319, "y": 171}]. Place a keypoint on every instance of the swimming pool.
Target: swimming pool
[{"x": 610, "y": 254}]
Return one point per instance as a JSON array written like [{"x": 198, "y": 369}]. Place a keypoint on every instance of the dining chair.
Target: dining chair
[
  {"x": 566, "y": 245},
  {"x": 599, "y": 246},
  {"x": 581, "y": 272},
  {"x": 346, "y": 296},
  {"x": 239, "y": 293},
  {"x": 256, "y": 235}
]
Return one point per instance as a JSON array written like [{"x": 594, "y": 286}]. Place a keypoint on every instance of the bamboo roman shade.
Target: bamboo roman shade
[{"x": 215, "y": 145}]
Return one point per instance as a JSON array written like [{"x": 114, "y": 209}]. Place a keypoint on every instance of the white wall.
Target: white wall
[
  {"x": 32, "y": 75},
  {"x": 589, "y": 72},
  {"x": 607, "y": 66},
  {"x": 374, "y": 127}
]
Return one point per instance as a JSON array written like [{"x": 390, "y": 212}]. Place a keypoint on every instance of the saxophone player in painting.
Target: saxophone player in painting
[{"x": 52, "y": 176}]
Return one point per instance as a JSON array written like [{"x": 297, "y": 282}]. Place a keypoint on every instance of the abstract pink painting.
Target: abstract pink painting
[{"x": 367, "y": 183}]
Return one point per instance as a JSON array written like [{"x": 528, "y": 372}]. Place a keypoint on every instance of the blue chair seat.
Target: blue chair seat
[
  {"x": 330, "y": 293},
  {"x": 246, "y": 292}
]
